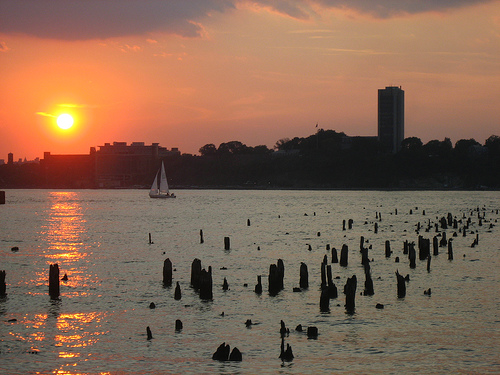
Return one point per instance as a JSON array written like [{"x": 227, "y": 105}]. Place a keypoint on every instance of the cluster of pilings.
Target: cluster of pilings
[
  {"x": 224, "y": 353},
  {"x": 201, "y": 280},
  {"x": 276, "y": 276},
  {"x": 328, "y": 288}
]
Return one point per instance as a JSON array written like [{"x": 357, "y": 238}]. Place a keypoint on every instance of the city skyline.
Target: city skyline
[{"x": 188, "y": 74}]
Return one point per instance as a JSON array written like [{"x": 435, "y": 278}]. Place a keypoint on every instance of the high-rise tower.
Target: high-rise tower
[{"x": 391, "y": 118}]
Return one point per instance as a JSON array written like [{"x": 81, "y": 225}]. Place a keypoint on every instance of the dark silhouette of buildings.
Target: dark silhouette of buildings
[
  {"x": 391, "y": 118},
  {"x": 111, "y": 166}
]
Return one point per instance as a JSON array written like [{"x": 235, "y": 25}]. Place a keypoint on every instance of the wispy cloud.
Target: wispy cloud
[
  {"x": 45, "y": 114},
  {"x": 3, "y": 47}
]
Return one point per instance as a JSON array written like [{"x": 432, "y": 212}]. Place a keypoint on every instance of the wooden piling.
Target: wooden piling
[
  {"x": 450, "y": 250},
  {"x": 149, "y": 333},
  {"x": 206, "y": 291},
  {"x": 258, "y": 287},
  {"x": 178, "y": 325},
  {"x": 324, "y": 301},
  {"x": 387, "y": 249},
  {"x": 2, "y": 197},
  {"x": 177, "y": 293},
  {"x": 275, "y": 278},
  {"x": 304, "y": 276},
  {"x": 167, "y": 272},
  {"x": 435, "y": 246},
  {"x": 227, "y": 243},
  {"x": 150, "y": 242},
  {"x": 54, "y": 281},
  {"x": 201, "y": 236},
  {"x": 344, "y": 255},
  {"x": 401, "y": 285},
  {"x": 335, "y": 258},
  {"x": 350, "y": 294},
  {"x": 195, "y": 273},
  {"x": 3, "y": 286}
]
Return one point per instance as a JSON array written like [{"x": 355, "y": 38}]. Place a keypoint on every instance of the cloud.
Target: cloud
[
  {"x": 3, "y": 47},
  {"x": 45, "y": 114},
  {"x": 393, "y": 8},
  {"x": 103, "y": 19}
]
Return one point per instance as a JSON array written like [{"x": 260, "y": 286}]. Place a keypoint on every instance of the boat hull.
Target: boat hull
[{"x": 161, "y": 196}]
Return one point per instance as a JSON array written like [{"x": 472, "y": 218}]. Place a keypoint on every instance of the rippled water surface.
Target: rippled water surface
[{"x": 100, "y": 240}]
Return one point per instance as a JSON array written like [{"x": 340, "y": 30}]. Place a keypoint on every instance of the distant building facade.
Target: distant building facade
[
  {"x": 120, "y": 165},
  {"x": 391, "y": 118},
  {"x": 111, "y": 166}
]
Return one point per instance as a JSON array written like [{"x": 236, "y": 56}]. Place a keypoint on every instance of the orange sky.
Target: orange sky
[{"x": 185, "y": 74}]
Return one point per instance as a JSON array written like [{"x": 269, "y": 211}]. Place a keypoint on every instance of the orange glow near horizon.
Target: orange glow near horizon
[{"x": 254, "y": 74}]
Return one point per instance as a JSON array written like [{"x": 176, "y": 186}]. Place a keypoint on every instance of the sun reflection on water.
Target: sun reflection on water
[{"x": 64, "y": 237}]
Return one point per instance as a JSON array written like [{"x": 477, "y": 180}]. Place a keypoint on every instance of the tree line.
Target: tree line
[{"x": 324, "y": 160}]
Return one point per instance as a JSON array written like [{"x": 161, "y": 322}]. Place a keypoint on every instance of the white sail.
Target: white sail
[
  {"x": 163, "y": 181},
  {"x": 154, "y": 186},
  {"x": 160, "y": 190}
]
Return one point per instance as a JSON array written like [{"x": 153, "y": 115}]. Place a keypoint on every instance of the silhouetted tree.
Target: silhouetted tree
[
  {"x": 411, "y": 144},
  {"x": 208, "y": 149}
]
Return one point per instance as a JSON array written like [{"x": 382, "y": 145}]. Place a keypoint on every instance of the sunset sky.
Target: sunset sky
[{"x": 188, "y": 73}]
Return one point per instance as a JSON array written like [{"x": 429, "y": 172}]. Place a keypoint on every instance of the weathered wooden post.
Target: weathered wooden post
[
  {"x": 332, "y": 289},
  {"x": 276, "y": 274},
  {"x": 150, "y": 242},
  {"x": 177, "y": 293},
  {"x": 167, "y": 272},
  {"x": 225, "y": 285},
  {"x": 324, "y": 301},
  {"x": 149, "y": 333},
  {"x": 424, "y": 245},
  {"x": 364, "y": 257},
  {"x": 206, "y": 291},
  {"x": 443, "y": 241},
  {"x": 2, "y": 197},
  {"x": 412, "y": 255},
  {"x": 201, "y": 236},
  {"x": 323, "y": 272},
  {"x": 54, "y": 281},
  {"x": 227, "y": 243},
  {"x": 401, "y": 285},
  {"x": 195, "y": 273},
  {"x": 3, "y": 287},
  {"x": 375, "y": 228},
  {"x": 435, "y": 246},
  {"x": 368, "y": 282},
  {"x": 344, "y": 255},
  {"x": 429, "y": 263},
  {"x": 258, "y": 287},
  {"x": 450, "y": 250},
  {"x": 178, "y": 325},
  {"x": 387, "y": 249},
  {"x": 335, "y": 258},
  {"x": 350, "y": 294},
  {"x": 343, "y": 224},
  {"x": 304, "y": 276},
  {"x": 349, "y": 224},
  {"x": 248, "y": 222}
]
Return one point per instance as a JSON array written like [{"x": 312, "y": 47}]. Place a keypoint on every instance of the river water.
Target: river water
[{"x": 100, "y": 239}]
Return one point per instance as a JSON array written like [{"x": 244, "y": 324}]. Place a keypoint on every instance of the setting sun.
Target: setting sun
[{"x": 65, "y": 121}]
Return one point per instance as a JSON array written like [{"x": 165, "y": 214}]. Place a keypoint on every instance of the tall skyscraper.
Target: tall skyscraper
[{"x": 391, "y": 118}]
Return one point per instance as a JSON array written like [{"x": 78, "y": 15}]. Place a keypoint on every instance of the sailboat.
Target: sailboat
[{"x": 160, "y": 190}]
